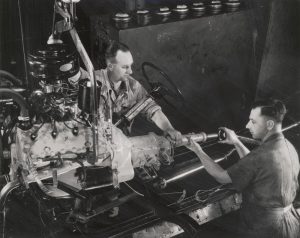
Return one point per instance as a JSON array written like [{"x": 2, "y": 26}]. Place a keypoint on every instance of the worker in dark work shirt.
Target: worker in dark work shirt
[{"x": 266, "y": 176}]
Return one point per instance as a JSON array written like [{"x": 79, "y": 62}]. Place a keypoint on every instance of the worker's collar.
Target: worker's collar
[
  {"x": 277, "y": 135},
  {"x": 122, "y": 88}
]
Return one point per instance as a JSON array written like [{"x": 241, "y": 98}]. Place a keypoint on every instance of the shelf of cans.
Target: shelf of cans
[{"x": 144, "y": 17}]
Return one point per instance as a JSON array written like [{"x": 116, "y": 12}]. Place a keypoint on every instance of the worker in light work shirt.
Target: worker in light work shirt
[
  {"x": 120, "y": 92},
  {"x": 266, "y": 176}
]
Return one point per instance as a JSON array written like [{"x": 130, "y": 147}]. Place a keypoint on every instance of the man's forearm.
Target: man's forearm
[
  {"x": 213, "y": 168},
  {"x": 241, "y": 149},
  {"x": 160, "y": 119}
]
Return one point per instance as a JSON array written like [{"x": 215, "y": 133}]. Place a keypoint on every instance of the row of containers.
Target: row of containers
[{"x": 163, "y": 14}]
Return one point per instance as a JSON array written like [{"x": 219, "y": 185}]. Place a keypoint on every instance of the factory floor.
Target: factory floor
[
  {"x": 207, "y": 232},
  {"x": 214, "y": 229},
  {"x": 215, "y": 232},
  {"x": 20, "y": 224},
  {"x": 38, "y": 231}
]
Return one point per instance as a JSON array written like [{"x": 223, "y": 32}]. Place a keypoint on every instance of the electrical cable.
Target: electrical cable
[
  {"x": 23, "y": 43},
  {"x": 8, "y": 130},
  {"x": 38, "y": 128},
  {"x": 78, "y": 121},
  {"x": 80, "y": 231},
  {"x": 53, "y": 19},
  {"x": 138, "y": 193},
  {"x": 68, "y": 126},
  {"x": 205, "y": 196}
]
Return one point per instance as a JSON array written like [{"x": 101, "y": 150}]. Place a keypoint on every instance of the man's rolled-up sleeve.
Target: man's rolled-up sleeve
[
  {"x": 151, "y": 108},
  {"x": 242, "y": 173}
]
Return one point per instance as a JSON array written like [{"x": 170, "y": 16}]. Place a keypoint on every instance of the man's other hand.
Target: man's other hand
[
  {"x": 174, "y": 135},
  {"x": 194, "y": 146},
  {"x": 231, "y": 137}
]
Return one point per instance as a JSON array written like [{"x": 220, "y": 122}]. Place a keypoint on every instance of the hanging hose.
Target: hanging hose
[
  {"x": 8, "y": 76},
  {"x": 6, "y": 190}
]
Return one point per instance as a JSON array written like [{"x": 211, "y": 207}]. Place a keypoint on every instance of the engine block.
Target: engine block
[
  {"x": 68, "y": 151},
  {"x": 40, "y": 155}
]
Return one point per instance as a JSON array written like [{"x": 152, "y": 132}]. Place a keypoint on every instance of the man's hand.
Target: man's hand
[
  {"x": 174, "y": 135},
  {"x": 231, "y": 137},
  {"x": 194, "y": 146}
]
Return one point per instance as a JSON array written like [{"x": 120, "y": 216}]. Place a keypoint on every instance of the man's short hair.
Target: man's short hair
[
  {"x": 113, "y": 48},
  {"x": 272, "y": 108}
]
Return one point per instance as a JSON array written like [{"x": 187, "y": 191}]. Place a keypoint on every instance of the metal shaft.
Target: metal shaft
[
  {"x": 200, "y": 138},
  {"x": 189, "y": 171}
]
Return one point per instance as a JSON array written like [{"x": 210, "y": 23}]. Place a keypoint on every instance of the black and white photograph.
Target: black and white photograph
[{"x": 149, "y": 118}]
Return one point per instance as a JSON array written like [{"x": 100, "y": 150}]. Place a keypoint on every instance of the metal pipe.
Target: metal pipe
[
  {"x": 90, "y": 69},
  {"x": 199, "y": 137},
  {"x": 222, "y": 136},
  {"x": 249, "y": 140},
  {"x": 256, "y": 142},
  {"x": 291, "y": 126},
  {"x": 192, "y": 169},
  {"x": 95, "y": 112}
]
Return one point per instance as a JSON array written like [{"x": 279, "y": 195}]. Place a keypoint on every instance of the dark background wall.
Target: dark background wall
[
  {"x": 211, "y": 59},
  {"x": 35, "y": 17},
  {"x": 280, "y": 69},
  {"x": 214, "y": 60}
]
